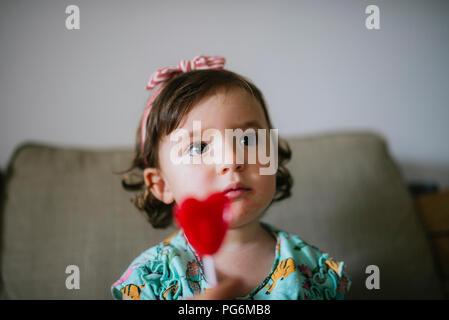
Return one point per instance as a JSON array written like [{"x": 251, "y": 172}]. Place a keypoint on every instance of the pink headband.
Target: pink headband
[{"x": 165, "y": 74}]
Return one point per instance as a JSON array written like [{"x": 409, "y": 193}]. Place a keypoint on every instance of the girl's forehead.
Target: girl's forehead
[{"x": 226, "y": 108}]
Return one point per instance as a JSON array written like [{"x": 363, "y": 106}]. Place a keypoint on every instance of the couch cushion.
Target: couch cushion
[{"x": 67, "y": 207}]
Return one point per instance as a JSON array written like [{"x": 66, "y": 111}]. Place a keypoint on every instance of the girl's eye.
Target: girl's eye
[
  {"x": 249, "y": 139},
  {"x": 198, "y": 148}
]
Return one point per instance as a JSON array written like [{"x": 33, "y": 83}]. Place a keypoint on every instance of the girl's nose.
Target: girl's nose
[
  {"x": 224, "y": 168},
  {"x": 237, "y": 159}
]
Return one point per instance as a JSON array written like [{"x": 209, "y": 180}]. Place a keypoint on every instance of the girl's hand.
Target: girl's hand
[{"x": 226, "y": 289}]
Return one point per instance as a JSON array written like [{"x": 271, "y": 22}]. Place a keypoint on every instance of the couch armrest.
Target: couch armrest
[{"x": 434, "y": 213}]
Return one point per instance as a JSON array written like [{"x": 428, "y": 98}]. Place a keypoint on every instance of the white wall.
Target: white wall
[{"x": 318, "y": 65}]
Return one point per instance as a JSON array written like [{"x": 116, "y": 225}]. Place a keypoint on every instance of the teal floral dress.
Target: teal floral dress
[{"x": 172, "y": 270}]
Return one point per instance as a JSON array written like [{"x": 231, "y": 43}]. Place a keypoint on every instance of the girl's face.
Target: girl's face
[{"x": 223, "y": 109}]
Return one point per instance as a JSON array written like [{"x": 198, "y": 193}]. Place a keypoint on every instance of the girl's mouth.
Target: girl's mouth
[{"x": 236, "y": 190}]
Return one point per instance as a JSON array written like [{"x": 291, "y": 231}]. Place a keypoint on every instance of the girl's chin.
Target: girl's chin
[{"x": 240, "y": 217}]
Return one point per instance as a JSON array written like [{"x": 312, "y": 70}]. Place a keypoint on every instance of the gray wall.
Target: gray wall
[{"x": 318, "y": 65}]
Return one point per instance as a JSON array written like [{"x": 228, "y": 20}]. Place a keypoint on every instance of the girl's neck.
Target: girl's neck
[{"x": 249, "y": 235}]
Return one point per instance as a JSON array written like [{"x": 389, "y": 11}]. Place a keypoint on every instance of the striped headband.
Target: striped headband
[{"x": 163, "y": 75}]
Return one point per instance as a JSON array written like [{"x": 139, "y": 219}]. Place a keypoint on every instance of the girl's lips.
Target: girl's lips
[
  {"x": 232, "y": 194},
  {"x": 236, "y": 190}
]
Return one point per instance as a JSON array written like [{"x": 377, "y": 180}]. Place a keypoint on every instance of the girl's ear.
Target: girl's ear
[{"x": 157, "y": 185}]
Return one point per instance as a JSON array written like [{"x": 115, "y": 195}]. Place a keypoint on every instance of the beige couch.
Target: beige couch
[{"x": 67, "y": 207}]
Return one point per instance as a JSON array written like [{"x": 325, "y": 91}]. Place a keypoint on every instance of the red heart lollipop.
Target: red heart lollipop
[{"x": 204, "y": 222}]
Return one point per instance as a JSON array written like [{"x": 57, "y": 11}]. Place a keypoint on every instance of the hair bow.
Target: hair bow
[{"x": 197, "y": 63}]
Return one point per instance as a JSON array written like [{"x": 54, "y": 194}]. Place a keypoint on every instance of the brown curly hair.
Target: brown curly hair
[{"x": 173, "y": 103}]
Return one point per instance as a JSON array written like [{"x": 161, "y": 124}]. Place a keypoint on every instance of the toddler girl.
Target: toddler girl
[{"x": 272, "y": 264}]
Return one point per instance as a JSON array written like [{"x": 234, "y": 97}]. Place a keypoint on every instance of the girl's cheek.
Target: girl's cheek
[
  {"x": 193, "y": 181},
  {"x": 267, "y": 185}
]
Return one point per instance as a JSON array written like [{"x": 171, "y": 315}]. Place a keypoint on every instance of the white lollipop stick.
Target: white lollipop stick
[{"x": 209, "y": 270}]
